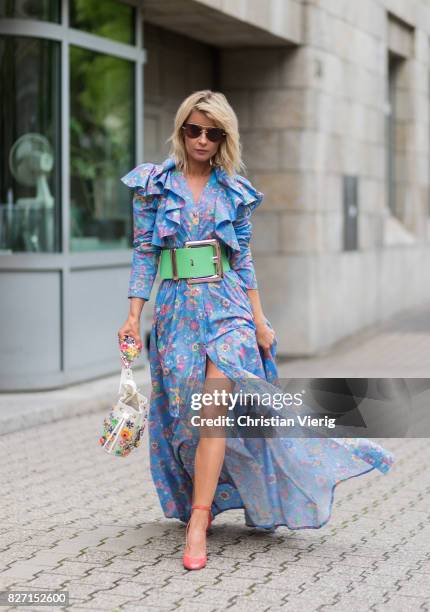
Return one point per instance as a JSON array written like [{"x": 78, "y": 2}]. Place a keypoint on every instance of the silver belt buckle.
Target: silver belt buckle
[{"x": 216, "y": 258}]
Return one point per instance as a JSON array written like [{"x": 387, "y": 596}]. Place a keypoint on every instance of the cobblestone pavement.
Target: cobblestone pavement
[{"x": 73, "y": 518}]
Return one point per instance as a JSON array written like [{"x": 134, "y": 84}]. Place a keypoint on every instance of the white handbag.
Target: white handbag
[{"x": 124, "y": 426}]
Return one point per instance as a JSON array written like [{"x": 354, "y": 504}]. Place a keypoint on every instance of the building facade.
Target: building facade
[{"x": 333, "y": 103}]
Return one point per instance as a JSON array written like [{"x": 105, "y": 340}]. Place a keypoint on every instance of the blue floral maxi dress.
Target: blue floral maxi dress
[{"x": 277, "y": 481}]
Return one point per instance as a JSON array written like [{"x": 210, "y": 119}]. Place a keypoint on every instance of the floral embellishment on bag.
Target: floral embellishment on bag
[
  {"x": 129, "y": 350},
  {"x": 121, "y": 434},
  {"x": 127, "y": 419}
]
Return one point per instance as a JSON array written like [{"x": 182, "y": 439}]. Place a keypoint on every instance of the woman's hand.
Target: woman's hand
[
  {"x": 131, "y": 328},
  {"x": 265, "y": 337}
]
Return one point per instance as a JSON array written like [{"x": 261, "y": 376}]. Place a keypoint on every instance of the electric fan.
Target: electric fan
[{"x": 31, "y": 161}]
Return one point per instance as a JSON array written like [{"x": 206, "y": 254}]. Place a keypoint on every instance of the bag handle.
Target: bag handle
[{"x": 126, "y": 379}]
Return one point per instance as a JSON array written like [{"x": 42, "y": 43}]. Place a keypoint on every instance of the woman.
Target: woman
[{"x": 208, "y": 333}]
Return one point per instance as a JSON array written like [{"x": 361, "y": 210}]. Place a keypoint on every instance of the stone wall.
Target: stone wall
[{"x": 310, "y": 115}]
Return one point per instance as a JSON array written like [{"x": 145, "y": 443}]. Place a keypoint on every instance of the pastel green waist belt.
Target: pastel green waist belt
[{"x": 199, "y": 261}]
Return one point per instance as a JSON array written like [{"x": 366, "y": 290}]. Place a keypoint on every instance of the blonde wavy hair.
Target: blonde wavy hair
[{"x": 215, "y": 105}]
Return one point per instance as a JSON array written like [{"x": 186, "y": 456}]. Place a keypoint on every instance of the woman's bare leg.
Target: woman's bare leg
[{"x": 208, "y": 462}]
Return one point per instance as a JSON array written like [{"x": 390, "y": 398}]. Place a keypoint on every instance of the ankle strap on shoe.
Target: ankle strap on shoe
[{"x": 200, "y": 507}]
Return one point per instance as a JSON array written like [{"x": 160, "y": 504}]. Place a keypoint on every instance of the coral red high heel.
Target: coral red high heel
[{"x": 194, "y": 563}]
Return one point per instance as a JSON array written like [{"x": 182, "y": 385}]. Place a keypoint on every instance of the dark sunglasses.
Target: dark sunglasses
[{"x": 214, "y": 134}]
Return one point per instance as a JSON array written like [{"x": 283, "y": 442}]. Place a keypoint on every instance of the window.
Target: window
[
  {"x": 45, "y": 10},
  {"x": 108, "y": 18},
  {"x": 101, "y": 149},
  {"x": 391, "y": 125},
  {"x": 30, "y": 145}
]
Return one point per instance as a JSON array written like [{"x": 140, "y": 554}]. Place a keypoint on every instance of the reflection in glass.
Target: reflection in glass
[
  {"x": 45, "y": 10},
  {"x": 29, "y": 145},
  {"x": 102, "y": 149},
  {"x": 109, "y": 18}
]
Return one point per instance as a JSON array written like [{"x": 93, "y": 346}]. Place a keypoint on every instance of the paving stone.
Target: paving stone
[
  {"x": 102, "y": 601},
  {"x": 140, "y": 606},
  {"x": 22, "y": 569},
  {"x": 396, "y": 604},
  {"x": 415, "y": 587},
  {"x": 187, "y": 603}
]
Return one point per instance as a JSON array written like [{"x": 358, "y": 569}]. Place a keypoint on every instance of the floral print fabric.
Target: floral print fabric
[{"x": 277, "y": 481}]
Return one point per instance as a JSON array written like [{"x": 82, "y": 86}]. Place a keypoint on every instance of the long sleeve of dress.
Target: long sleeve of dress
[
  {"x": 145, "y": 255},
  {"x": 242, "y": 261}
]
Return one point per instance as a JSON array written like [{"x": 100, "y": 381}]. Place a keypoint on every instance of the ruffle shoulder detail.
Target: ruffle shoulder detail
[
  {"x": 149, "y": 176},
  {"x": 155, "y": 180},
  {"x": 244, "y": 193},
  {"x": 239, "y": 200}
]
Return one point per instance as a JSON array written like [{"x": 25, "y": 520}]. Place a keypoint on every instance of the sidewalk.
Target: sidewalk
[
  {"x": 397, "y": 348},
  {"x": 74, "y": 518}
]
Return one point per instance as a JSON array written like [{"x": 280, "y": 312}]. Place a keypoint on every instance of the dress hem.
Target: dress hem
[{"x": 276, "y": 525}]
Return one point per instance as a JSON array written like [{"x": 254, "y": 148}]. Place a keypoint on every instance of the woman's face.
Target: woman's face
[{"x": 200, "y": 149}]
